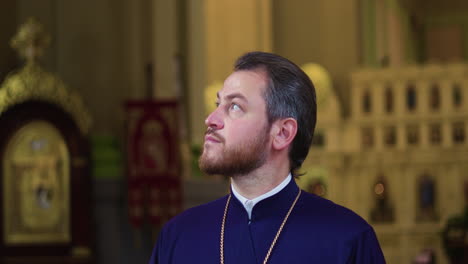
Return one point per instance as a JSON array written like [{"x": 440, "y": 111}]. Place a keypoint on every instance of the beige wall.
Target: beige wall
[
  {"x": 88, "y": 51},
  {"x": 91, "y": 58},
  {"x": 219, "y": 32},
  {"x": 320, "y": 31},
  {"x": 100, "y": 48},
  {"x": 7, "y": 30}
]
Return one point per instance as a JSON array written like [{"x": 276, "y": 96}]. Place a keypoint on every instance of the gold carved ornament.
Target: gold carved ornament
[{"x": 32, "y": 82}]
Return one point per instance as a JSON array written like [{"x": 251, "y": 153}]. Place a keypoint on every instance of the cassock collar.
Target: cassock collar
[
  {"x": 250, "y": 203},
  {"x": 275, "y": 205}
]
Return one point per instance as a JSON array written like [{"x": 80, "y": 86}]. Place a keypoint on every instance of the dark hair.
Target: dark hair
[{"x": 290, "y": 93}]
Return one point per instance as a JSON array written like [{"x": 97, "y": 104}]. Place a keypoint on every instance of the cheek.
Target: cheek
[
  {"x": 243, "y": 131},
  {"x": 235, "y": 132},
  {"x": 235, "y": 136}
]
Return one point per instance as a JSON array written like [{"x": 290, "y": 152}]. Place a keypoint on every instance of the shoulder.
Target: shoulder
[
  {"x": 180, "y": 236},
  {"x": 196, "y": 216},
  {"x": 331, "y": 216}
]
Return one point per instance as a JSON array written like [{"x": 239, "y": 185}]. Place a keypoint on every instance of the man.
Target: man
[{"x": 259, "y": 135}]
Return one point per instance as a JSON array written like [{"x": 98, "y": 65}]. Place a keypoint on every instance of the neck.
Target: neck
[{"x": 260, "y": 181}]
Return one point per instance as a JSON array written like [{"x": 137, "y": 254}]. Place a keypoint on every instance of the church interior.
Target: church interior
[{"x": 102, "y": 109}]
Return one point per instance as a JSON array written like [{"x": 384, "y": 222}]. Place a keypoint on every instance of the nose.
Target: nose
[{"x": 214, "y": 120}]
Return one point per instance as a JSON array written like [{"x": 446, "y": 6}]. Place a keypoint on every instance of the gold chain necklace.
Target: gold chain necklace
[{"x": 221, "y": 243}]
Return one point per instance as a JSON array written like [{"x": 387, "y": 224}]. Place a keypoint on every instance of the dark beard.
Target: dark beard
[{"x": 239, "y": 160}]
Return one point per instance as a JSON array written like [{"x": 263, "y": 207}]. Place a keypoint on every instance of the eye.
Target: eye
[
  {"x": 235, "y": 107},
  {"x": 217, "y": 104}
]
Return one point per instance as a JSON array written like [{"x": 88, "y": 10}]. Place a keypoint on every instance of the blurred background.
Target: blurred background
[{"x": 391, "y": 144}]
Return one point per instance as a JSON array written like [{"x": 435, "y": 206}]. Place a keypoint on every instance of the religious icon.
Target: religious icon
[
  {"x": 390, "y": 136},
  {"x": 382, "y": 211},
  {"x": 412, "y": 134},
  {"x": 36, "y": 186},
  {"x": 366, "y": 102},
  {"x": 426, "y": 256},
  {"x": 411, "y": 98},
  {"x": 426, "y": 198},
  {"x": 389, "y": 99},
  {"x": 317, "y": 187},
  {"x": 367, "y": 137},
  {"x": 434, "y": 101}
]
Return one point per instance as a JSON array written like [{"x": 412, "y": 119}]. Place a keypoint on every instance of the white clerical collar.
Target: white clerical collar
[{"x": 249, "y": 204}]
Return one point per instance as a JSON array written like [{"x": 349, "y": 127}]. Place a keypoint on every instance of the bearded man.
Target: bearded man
[{"x": 259, "y": 135}]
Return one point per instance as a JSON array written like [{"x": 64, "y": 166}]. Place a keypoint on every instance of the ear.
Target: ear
[{"x": 283, "y": 133}]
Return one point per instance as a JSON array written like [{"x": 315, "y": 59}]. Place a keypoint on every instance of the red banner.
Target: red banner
[{"x": 154, "y": 182}]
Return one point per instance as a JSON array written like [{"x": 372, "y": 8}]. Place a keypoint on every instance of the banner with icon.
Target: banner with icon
[{"x": 154, "y": 181}]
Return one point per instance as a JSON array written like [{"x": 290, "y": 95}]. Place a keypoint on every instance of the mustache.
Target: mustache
[{"x": 212, "y": 132}]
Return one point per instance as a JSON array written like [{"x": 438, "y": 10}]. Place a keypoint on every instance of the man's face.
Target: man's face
[{"x": 237, "y": 138}]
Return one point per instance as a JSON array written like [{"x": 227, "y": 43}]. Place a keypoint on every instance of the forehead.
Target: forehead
[{"x": 248, "y": 83}]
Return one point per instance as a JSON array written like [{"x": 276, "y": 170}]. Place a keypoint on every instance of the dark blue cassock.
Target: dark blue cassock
[{"x": 317, "y": 231}]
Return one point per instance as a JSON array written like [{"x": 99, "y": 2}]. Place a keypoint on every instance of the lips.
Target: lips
[{"x": 211, "y": 136}]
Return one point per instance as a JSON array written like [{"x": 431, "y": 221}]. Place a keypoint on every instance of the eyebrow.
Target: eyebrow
[{"x": 234, "y": 95}]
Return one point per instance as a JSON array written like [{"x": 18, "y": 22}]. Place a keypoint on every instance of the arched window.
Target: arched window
[
  {"x": 434, "y": 98},
  {"x": 457, "y": 95},
  {"x": 426, "y": 198},
  {"x": 317, "y": 187},
  {"x": 388, "y": 99},
  {"x": 366, "y": 102},
  {"x": 411, "y": 97}
]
